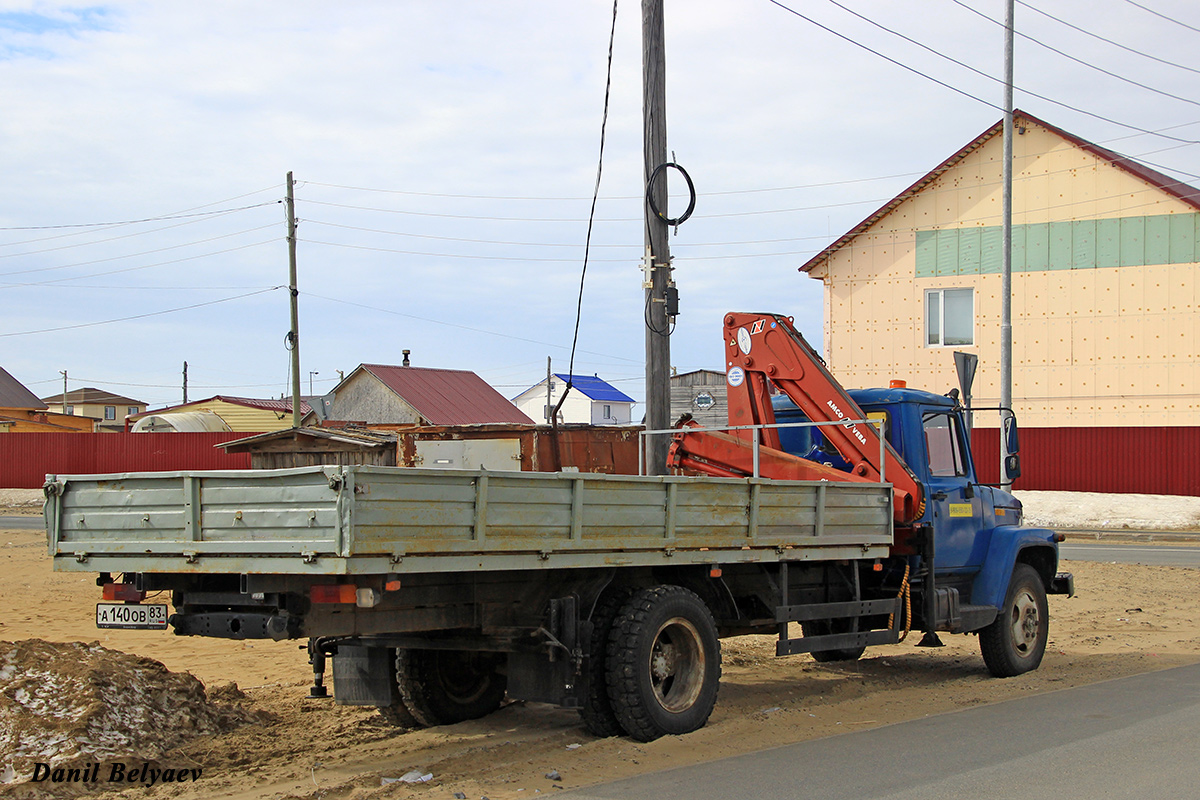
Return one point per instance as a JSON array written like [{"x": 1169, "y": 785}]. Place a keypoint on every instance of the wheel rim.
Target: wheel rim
[
  {"x": 463, "y": 677},
  {"x": 1025, "y": 622},
  {"x": 677, "y": 665}
]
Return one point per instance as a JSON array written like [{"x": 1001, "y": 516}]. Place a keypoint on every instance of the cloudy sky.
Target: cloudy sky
[{"x": 445, "y": 154}]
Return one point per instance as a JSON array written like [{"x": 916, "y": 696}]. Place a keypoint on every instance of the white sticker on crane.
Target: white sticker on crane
[
  {"x": 736, "y": 376},
  {"x": 744, "y": 343}
]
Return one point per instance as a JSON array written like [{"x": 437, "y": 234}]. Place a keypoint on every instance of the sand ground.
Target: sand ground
[{"x": 1125, "y": 620}]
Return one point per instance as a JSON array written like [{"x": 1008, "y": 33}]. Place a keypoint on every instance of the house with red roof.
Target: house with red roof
[{"x": 380, "y": 394}]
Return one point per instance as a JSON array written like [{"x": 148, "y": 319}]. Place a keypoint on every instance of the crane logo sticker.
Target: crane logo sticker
[
  {"x": 743, "y": 339},
  {"x": 736, "y": 376}
]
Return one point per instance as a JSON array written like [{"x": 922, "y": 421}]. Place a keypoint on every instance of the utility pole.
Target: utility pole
[
  {"x": 1006, "y": 269},
  {"x": 658, "y": 252},
  {"x": 549, "y": 391},
  {"x": 294, "y": 333},
  {"x": 185, "y": 383},
  {"x": 64, "y": 403}
]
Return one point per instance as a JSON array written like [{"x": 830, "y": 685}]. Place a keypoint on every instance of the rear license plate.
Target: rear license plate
[{"x": 131, "y": 615}]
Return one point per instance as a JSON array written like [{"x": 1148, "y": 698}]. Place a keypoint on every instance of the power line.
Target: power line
[
  {"x": 1081, "y": 61},
  {"x": 981, "y": 73},
  {"x": 1110, "y": 41},
  {"x": 137, "y": 221},
  {"x": 143, "y": 266},
  {"x": 140, "y": 316},
  {"x": 1163, "y": 16},
  {"x": 131, "y": 255},
  {"x": 463, "y": 327}
]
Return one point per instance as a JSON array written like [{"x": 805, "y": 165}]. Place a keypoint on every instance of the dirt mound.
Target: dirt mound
[{"x": 75, "y": 705}]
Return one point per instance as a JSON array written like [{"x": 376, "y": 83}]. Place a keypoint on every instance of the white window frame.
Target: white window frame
[
  {"x": 941, "y": 305},
  {"x": 110, "y": 413}
]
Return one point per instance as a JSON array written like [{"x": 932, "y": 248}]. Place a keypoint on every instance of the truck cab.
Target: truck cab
[{"x": 974, "y": 535}]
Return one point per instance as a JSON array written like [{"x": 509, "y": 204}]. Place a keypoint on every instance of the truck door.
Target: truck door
[{"x": 955, "y": 507}]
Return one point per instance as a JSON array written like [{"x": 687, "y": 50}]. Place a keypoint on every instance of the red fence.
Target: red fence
[
  {"x": 26, "y": 458},
  {"x": 1142, "y": 460},
  {"x": 1122, "y": 460}
]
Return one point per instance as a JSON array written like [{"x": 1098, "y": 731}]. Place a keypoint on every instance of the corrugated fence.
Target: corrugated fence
[
  {"x": 1142, "y": 460},
  {"x": 1123, "y": 460},
  {"x": 26, "y": 458}
]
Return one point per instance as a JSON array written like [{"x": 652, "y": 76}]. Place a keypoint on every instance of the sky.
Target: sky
[{"x": 445, "y": 155}]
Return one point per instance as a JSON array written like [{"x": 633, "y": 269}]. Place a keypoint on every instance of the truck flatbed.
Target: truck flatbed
[{"x": 361, "y": 520}]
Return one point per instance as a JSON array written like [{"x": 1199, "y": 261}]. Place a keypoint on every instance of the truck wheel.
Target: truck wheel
[
  {"x": 825, "y": 627},
  {"x": 1015, "y": 642},
  {"x": 664, "y": 663},
  {"x": 597, "y": 712},
  {"x": 442, "y": 687},
  {"x": 397, "y": 714}
]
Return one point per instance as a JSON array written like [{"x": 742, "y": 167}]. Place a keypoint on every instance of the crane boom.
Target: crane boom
[{"x": 766, "y": 349}]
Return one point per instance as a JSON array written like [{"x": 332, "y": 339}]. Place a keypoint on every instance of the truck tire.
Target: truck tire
[
  {"x": 397, "y": 714},
  {"x": 442, "y": 687},
  {"x": 825, "y": 627},
  {"x": 1016, "y": 641},
  {"x": 664, "y": 663},
  {"x": 596, "y": 711}
]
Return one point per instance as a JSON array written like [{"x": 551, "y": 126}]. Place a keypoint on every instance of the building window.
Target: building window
[
  {"x": 608, "y": 412},
  {"x": 110, "y": 412},
  {"x": 949, "y": 317},
  {"x": 70, "y": 410},
  {"x": 131, "y": 411}
]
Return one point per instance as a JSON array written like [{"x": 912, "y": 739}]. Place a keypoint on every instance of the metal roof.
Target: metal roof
[
  {"x": 91, "y": 396},
  {"x": 359, "y": 438},
  {"x": 595, "y": 388},
  {"x": 1172, "y": 186},
  {"x": 447, "y": 396},
  {"x": 270, "y": 404},
  {"x": 14, "y": 395}
]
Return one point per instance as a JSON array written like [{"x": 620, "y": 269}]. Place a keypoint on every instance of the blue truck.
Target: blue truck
[{"x": 835, "y": 520}]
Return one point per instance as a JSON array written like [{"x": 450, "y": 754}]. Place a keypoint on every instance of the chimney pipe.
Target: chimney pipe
[{"x": 406, "y": 355}]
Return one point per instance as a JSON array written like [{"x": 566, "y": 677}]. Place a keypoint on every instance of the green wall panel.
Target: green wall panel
[{"x": 1082, "y": 244}]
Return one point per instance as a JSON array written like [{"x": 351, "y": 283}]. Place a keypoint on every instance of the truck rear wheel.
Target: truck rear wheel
[
  {"x": 597, "y": 712},
  {"x": 442, "y": 687},
  {"x": 397, "y": 714},
  {"x": 1016, "y": 641},
  {"x": 664, "y": 663}
]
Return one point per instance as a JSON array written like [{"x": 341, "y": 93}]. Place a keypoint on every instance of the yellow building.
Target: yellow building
[
  {"x": 220, "y": 413},
  {"x": 108, "y": 410},
  {"x": 1105, "y": 306}
]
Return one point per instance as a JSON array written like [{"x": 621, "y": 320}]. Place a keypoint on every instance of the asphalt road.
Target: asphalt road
[
  {"x": 1152, "y": 554},
  {"x": 1129, "y": 738},
  {"x": 16, "y": 523}
]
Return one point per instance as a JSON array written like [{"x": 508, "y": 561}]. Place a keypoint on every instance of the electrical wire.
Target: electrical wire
[
  {"x": 1110, "y": 41},
  {"x": 587, "y": 243},
  {"x": 143, "y": 266},
  {"x": 463, "y": 327},
  {"x": 137, "y": 221},
  {"x": 140, "y": 316},
  {"x": 983, "y": 74},
  {"x": 133, "y": 255},
  {"x": 1070, "y": 57},
  {"x": 1163, "y": 16}
]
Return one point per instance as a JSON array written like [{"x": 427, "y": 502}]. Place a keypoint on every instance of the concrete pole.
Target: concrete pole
[
  {"x": 294, "y": 334},
  {"x": 654, "y": 143},
  {"x": 1006, "y": 270}
]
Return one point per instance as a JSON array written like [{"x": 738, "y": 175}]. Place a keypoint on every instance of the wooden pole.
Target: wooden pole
[
  {"x": 654, "y": 142},
  {"x": 294, "y": 333}
]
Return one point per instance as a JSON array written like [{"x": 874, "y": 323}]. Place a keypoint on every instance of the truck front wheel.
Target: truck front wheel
[
  {"x": 664, "y": 663},
  {"x": 442, "y": 687},
  {"x": 1016, "y": 641}
]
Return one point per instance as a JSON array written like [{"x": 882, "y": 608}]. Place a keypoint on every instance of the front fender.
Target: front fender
[{"x": 1035, "y": 546}]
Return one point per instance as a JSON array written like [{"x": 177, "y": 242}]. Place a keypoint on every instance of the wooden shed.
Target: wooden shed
[{"x": 307, "y": 447}]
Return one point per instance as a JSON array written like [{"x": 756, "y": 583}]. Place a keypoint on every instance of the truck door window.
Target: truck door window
[{"x": 944, "y": 446}]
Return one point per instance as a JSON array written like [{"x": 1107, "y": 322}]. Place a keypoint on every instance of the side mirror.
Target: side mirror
[
  {"x": 1012, "y": 444},
  {"x": 1012, "y": 466}
]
